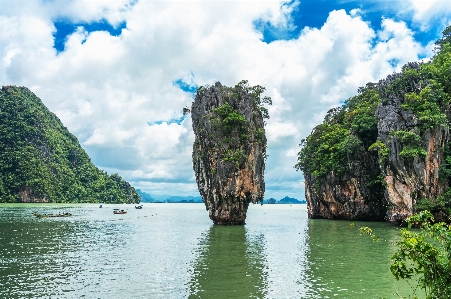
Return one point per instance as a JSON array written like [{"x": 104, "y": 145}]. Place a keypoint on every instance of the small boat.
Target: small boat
[
  {"x": 100, "y": 206},
  {"x": 118, "y": 211},
  {"x": 52, "y": 215},
  {"x": 139, "y": 207}
]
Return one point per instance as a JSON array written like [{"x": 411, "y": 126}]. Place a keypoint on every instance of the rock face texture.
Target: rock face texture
[
  {"x": 351, "y": 196},
  {"x": 409, "y": 180},
  {"x": 229, "y": 151}
]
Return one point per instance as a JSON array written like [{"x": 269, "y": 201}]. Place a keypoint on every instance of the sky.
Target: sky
[{"x": 119, "y": 72}]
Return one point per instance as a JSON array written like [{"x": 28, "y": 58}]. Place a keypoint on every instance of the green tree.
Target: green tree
[{"x": 346, "y": 132}]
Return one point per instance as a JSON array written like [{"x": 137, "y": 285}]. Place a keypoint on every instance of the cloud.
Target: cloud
[
  {"x": 123, "y": 96},
  {"x": 428, "y": 12}
]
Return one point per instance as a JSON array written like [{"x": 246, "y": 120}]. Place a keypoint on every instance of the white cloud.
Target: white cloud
[
  {"x": 278, "y": 14},
  {"x": 427, "y": 11},
  {"x": 107, "y": 89}
]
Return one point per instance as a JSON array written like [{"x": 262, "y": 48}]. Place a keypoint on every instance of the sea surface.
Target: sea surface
[{"x": 174, "y": 251}]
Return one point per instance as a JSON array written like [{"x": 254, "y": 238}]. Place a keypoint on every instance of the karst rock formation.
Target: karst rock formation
[
  {"x": 404, "y": 164},
  {"x": 229, "y": 150}
]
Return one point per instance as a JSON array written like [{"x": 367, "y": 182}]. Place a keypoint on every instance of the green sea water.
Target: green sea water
[{"x": 174, "y": 251}]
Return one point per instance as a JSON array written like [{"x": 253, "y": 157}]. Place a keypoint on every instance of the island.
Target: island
[
  {"x": 385, "y": 154},
  {"x": 229, "y": 149}
]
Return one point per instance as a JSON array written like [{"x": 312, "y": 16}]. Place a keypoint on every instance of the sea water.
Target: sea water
[{"x": 174, "y": 251}]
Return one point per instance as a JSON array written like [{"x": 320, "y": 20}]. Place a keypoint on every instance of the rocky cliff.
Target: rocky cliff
[
  {"x": 386, "y": 153},
  {"x": 229, "y": 149},
  {"x": 342, "y": 178},
  {"x": 415, "y": 144},
  {"x": 355, "y": 195}
]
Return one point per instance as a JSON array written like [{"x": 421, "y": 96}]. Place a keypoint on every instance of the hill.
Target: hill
[
  {"x": 290, "y": 200},
  {"x": 41, "y": 161},
  {"x": 145, "y": 197}
]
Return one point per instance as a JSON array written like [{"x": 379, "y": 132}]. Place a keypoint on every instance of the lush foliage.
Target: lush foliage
[
  {"x": 39, "y": 157},
  {"x": 426, "y": 105},
  {"x": 412, "y": 144},
  {"x": 326, "y": 150},
  {"x": 346, "y": 132},
  {"x": 440, "y": 206},
  {"x": 231, "y": 128},
  {"x": 382, "y": 150},
  {"x": 229, "y": 121},
  {"x": 423, "y": 256}
]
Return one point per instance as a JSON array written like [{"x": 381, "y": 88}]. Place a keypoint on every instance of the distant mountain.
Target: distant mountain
[
  {"x": 183, "y": 199},
  {"x": 270, "y": 201},
  {"x": 290, "y": 200},
  {"x": 159, "y": 197},
  {"x": 41, "y": 161},
  {"x": 285, "y": 200},
  {"x": 145, "y": 197}
]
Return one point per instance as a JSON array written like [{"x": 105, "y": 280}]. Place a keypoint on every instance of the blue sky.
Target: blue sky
[
  {"x": 64, "y": 28},
  {"x": 118, "y": 73},
  {"x": 314, "y": 13},
  {"x": 308, "y": 13}
]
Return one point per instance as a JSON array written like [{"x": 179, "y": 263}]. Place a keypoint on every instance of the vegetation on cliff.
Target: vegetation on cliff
[
  {"x": 346, "y": 132},
  {"x": 40, "y": 160},
  {"x": 405, "y": 120},
  {"x": 230, "y": 127}
]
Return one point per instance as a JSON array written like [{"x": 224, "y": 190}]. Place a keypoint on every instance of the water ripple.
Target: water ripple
[{"x": 173, "y": 251}]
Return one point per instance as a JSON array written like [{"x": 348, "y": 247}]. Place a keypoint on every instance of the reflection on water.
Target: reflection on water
[
  {"x": 172, "y": 251},
  {"x": 51, "y": 256},
  {"x": 230, "y": 265},
  {"x": 95, "y": 254},
  {"x": 345, "y": 264},
  {"x": 284, "y": 228}
]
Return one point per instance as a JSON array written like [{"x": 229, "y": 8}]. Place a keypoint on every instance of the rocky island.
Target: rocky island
[
  {"x": 229, "y": 150},
  {"x": 386, "y": 153}
]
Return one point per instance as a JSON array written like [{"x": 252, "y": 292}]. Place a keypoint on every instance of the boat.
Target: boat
[
  {"x": 139, "y": 207},
  {"x": 118, "y": 211},
  {"x": 52, "y": 215}
]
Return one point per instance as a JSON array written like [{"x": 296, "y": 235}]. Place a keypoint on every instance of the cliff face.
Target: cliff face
[
  {"x": 342, "y": 178},
  {"x": 354, "y": 196},
  {"x": 228, "y": 151},
  {"x": 412, "y": 178}
]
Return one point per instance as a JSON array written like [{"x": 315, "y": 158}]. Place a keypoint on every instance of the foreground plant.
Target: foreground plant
[
  {"x": 423, "y": 256},
  {"x": 426, "y": 254}
]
